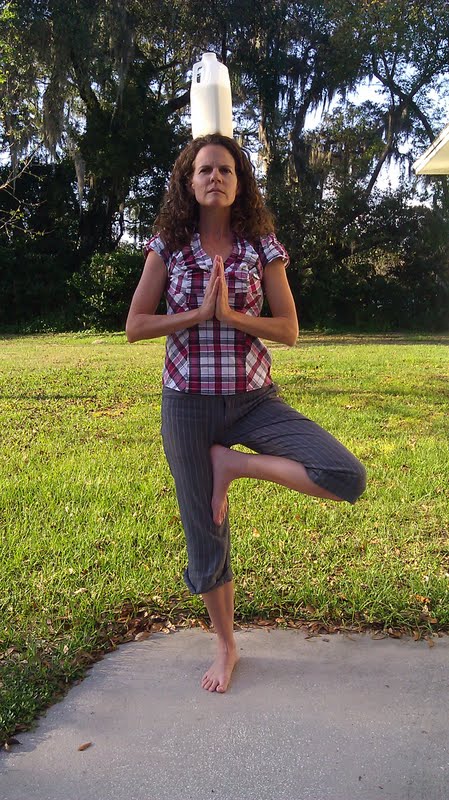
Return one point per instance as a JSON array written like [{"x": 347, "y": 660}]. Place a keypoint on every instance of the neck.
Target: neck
[{"x": 215, "y": 226}]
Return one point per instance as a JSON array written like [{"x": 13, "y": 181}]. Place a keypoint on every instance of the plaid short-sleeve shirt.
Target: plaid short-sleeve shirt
[{"x": 212, "y": 357}]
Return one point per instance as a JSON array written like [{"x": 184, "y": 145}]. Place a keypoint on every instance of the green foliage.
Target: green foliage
[
  {"x": 33, "y": 287},
  {"x": 38, "y": 249},
  {"x": 105, "y": 286},
  {"x": 399, "y": 268},
  {"x": 377, "y": 264}
]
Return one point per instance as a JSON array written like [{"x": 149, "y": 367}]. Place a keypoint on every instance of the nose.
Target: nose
[{"x": 215, "y": 174}]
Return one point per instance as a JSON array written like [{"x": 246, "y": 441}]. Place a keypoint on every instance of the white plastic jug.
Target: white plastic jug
[{"x": 210, "y": 98}]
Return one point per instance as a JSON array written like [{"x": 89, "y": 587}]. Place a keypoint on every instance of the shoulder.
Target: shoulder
[
  {"x": 270, "y": 248},
  {"x": 157, "y": 244}
]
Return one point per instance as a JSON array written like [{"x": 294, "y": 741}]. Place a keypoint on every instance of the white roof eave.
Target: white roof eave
[{"x": 435, "y": 161}]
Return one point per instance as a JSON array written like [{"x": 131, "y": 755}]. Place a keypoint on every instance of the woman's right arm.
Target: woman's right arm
[{"x": 144, "y": 323}]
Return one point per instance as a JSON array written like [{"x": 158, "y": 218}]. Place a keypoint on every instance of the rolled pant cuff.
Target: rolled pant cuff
[{"x": 207, "y": 584}]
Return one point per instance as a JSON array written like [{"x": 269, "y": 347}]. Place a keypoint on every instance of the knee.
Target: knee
[{"x": 358, "y": 481}]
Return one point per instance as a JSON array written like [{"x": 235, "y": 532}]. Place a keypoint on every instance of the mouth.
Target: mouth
[{"x": 215, "y": 191}]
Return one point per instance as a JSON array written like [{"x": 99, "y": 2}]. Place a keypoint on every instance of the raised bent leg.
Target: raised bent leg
[
  {"x": 231, "y": 464},
  {"x": 291, "y": 449}
]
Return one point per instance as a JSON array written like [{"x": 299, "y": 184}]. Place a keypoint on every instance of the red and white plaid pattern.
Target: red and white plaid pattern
[{"x": 213, "y": 358}]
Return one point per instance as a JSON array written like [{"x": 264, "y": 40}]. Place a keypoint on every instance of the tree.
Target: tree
[
  {"x": 407, "y": 52},
  {"x": 102, "y": 88},
  {"x": 109, "y": 97}
]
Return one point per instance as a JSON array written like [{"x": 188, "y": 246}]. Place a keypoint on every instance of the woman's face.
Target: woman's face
[{"x": 214, "y": 180}]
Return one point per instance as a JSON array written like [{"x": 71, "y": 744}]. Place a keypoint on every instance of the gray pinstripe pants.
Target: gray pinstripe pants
[{"x": 261, "y": 421}]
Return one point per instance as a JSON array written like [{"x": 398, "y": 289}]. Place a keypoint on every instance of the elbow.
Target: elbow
[
  {"x": 130, "y": 333},
  {"x": 292, "y": 335}
]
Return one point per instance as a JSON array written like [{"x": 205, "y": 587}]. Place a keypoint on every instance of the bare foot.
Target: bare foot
[
  {"x": 218, "y": 676},
  {"x": 222, "y": 464}
]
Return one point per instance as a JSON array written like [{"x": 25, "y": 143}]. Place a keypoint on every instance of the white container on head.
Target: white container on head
[{"x": 210, "y": 98}]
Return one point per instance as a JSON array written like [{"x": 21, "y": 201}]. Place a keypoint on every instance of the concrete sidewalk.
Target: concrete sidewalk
[{"x": 329, "y": 718}]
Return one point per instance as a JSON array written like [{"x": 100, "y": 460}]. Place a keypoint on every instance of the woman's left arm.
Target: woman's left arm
[{"x": 282, "y": 326}]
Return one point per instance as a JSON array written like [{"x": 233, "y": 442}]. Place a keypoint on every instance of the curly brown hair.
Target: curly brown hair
[{"x": 178, "y": 217}]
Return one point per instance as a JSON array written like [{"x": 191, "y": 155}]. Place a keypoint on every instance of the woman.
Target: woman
[{"x": 215, "y": 257}]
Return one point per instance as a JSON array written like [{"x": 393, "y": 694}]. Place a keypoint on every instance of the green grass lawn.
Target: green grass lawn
[{"x": 91, "y": 544}]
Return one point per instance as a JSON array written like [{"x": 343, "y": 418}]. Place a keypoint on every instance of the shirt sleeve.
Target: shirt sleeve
[
  {"x": 159, "y": 247},
  {"x": 270, "y": 249}
]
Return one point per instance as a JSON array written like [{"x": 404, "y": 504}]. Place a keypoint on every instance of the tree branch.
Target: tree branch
[
  {"x": 177, "y": 102},
  {"x": 13, "y": 175},
  {"x": 388, "y": 150},
  {"x": 87, "y": 94},
  {"x": 407, "y": 101}
]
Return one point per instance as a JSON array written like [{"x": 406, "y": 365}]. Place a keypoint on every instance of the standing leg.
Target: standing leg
[
  {"x": 220, "y": 605},
  {"x": 189, "y": 427}
]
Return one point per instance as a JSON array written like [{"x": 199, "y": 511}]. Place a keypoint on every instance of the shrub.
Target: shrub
[{"x": 105, "y": 286}]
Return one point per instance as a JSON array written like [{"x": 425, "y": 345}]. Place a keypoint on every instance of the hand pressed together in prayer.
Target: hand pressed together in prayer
[
  {"x": 223, "y": 311},
  {"x": 216, "y": 302}
]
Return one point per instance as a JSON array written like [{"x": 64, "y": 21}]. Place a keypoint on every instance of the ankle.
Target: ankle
[{"x": 226, "y": 645}]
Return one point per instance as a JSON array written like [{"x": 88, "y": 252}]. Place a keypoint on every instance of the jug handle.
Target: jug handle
[{"x": 196, "y": 72}]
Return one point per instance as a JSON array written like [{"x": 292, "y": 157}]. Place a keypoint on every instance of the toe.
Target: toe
[{"x": 206, "y": 681}]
